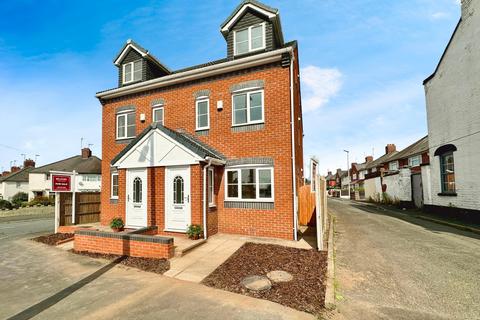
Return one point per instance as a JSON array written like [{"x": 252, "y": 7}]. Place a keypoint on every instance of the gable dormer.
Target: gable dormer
[
  {"x": 252, "y": 28},
  {"x": 135, "y": 64}
]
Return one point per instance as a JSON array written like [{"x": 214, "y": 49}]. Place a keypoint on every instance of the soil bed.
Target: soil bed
[
  {"x": 306, "y": 292},
  {"x": 54, "y": 238},
  {"x": 146, "y": 264}
]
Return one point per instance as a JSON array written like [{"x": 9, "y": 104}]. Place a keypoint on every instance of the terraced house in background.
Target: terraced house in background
[{"x": 217, "y": 144}]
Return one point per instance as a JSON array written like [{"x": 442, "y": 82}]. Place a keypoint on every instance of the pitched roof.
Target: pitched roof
[
  {"x": 185, "y": 139},
  {"x": 444, "y": 53},
  {"x": 272, "y": 14},
  {"x": 379, "y": 161},
  {"x": 292, "y": 44},
  {"x": 18, "y": 176},
  {"x": 91, "y": 165},
  {"x": 144, "y": 52},
  {"x": 418, "y": 147}
]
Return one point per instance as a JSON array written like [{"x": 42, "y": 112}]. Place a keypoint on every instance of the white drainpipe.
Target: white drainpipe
[
  {"x": 210, "y": 161},
  {"x": 293, "y": 148}
]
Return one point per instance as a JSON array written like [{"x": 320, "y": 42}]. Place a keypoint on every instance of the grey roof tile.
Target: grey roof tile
[{"x": 92, "y": 165}]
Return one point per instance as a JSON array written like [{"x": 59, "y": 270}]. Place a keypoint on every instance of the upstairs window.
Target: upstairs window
[
  {"x": 126, "y": 125},
  {"x": 393, "y": 166},
  {"x": 202, "y": 107},
  {"x": 249, "y": 39},
  {"x": 248, "y": 108},
  {"x": 250, "y": 184},
  {"x": 414, "y": 161},
  {"x": 447, "y": 172},
  {"x": 157, "y": 114},
  {"x": 132, "y": 71}
]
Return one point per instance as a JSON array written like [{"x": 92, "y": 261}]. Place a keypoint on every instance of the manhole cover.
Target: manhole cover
[
  {"x": 256, "y": 283},
  {"x": 279, "y": 276}
]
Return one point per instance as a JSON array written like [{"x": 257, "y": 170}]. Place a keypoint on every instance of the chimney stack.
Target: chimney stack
[
  {"x": 29, "y": 163},
  {"x": 329, "y": 173},
  {"x": 86, "y": 153},
  {"x": 14, "y": 169},
  {"x": 467, "y": 8},
  {"x": 368, "y": 159},
  {"x": 390, "y": 148},
  {"x": 5, "y": 173}
]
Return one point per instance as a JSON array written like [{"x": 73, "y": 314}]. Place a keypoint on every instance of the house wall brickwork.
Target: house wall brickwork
[{"x": 272, "y": 140}]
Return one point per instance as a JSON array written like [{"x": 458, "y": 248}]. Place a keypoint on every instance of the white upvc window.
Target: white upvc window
[
  {"x": 132, "y": 71},
  {"x": 393, "y": 166},
  {"x": 126, "y": 125},
  {"x": 157, "y": 114},
  {"x": 202, "y": 113},
  {"x": 253, "y": 184},
  {"x": 249, "y": 39},
  {"x": 415, "y": 161},
  {"x": 248, "y": 107},
  {"x": 114, "y": 186},
  {"x": 211, "y": 187},
  {"x": 91, "y": 178}
]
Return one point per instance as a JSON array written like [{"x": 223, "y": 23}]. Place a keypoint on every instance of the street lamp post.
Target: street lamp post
[{"x": 348, "y": 170}]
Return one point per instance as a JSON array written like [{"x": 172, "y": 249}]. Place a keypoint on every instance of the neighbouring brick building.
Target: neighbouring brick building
[
  {"x": 217, "y": 144},
  {"x": 453, "y": 114}
]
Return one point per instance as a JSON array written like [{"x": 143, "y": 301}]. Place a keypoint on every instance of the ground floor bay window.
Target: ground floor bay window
[{"x": 250, "y": 184}]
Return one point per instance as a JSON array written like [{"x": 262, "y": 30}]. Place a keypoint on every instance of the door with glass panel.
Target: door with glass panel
[
  {"x": 177, "y": 198},
  {"x": 136, "y": 201}
]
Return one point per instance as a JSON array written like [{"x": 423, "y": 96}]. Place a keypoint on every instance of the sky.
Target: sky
[{"x": 362, "y": 66}]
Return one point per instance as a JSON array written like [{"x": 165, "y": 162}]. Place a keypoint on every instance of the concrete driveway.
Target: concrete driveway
[
  {"x": 391, "y": 266},
  {"x": 41, "y": 282}
]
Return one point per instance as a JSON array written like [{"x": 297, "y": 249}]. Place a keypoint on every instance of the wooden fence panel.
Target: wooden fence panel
[
  {"x": 306, "y": 206},
  {"x": 87, "y": 208}
]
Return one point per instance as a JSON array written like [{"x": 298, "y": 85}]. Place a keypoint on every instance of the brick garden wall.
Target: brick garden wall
[{"x": 131, "y": 245}]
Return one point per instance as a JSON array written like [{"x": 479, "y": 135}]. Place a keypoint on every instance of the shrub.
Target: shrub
[
  {"x": 194, "y": 231},
  {"x": 19, "y": 198},
  {"x": 44, "y": 201},
  {"x": 117, "y": 223},
  {"x": 4, "y": 204}
]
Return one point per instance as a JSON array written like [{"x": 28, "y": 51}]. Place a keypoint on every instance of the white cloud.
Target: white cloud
[
  {"x": 319, "y": 86},
  {"x": 440, "y": 15}
]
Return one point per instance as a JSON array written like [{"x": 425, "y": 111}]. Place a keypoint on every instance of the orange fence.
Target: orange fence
[{"x": 306, "y": 206}]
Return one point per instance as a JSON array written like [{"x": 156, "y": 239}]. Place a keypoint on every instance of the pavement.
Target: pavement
[
  {"x": 42, "y": 282},
  {"x": 392, "y": 266}
]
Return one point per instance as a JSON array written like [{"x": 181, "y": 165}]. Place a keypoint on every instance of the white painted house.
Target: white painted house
[
  {"x": 15, "y": 181},
  {"x": 453, "y": 112},
  {"x": 89, "y": 177}
]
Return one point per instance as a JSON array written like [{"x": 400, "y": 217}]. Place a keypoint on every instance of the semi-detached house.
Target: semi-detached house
[{"x": 217, "y": 144}]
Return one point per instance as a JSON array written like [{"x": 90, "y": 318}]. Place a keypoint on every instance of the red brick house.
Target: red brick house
[{"x": 217, "y": 144}]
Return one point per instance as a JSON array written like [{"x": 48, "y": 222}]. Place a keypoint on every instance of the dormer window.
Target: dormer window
[
  {"x": 249, "y": 39},
  {"x": 132, "y": 71}
]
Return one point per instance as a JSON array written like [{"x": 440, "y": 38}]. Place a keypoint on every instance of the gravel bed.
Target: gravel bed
[
  {"x": 146, "y": 264},
  {"x": 306, "y": 292},
  {"x": 54, "y": 238}
]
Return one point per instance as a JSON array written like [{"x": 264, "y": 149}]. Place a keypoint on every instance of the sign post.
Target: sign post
[{"x": 63, "y": 182}]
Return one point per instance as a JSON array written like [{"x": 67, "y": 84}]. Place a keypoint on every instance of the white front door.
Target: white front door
[
  {"x": 177, "y": 198},
  {"x": 136, "y": 198}
]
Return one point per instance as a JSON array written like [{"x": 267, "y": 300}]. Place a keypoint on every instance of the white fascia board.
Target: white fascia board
[
  {"x": 124, "y": 52},
  {"x": 240, "y": 12},
  {"x": 147, "y": 136},
  {"x": 229, "y": 66}
]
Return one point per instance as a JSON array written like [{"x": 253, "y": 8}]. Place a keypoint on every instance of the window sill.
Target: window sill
[
  {"x": 248, "y": 124},
  {"x": 124, "y": 140},
  {"x": 113, "y": 200},
  {"x": 447, "y": 194},
  {"x": 248, "y": 127},
  {"x": 258, "y": 205},
  {"x": 202, "y": 132}
]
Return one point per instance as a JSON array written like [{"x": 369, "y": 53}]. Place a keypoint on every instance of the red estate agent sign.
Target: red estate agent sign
[{"x": 61, "y": 183}]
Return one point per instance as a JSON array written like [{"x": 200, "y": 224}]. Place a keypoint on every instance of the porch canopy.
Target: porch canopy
[{"x": 160, "y": 146}]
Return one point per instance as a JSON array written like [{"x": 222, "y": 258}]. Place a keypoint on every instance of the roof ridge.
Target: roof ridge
[{"x": 49, "y": 164}]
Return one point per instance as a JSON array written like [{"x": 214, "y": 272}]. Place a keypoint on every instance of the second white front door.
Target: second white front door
[
  {"x": 177, "y": 198},
  {"x": 136, "y": 215}
]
